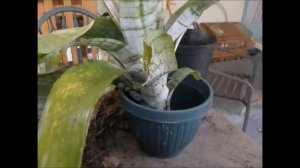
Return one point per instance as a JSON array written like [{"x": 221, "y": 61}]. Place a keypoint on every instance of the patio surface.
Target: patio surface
[{"x": 218, "y": 143}]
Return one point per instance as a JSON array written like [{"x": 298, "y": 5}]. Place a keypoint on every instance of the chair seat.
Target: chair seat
[
  {"x": 231, "y": 87},
  {"x": 228, "y": 86}
]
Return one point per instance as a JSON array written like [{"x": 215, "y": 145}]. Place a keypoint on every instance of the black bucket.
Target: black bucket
[{"x": 195, "y": 51}]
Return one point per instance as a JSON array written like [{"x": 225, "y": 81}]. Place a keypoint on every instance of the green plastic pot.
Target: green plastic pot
[{"x": 165, "y": 134}]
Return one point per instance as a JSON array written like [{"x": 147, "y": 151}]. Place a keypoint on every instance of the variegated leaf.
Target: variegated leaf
[
  {"x": 66, "y": 117},
  {"x": 132, "y": 61},
  {"x": 103, "y": 43},
  {"x": 163, "y": 59},
  {"x": 135, "y": 17},
  {"x": 105, "y": 56},
  {"x": 161, "y": 14},
  {"x": 155, "y": 93},
  {"x": 147, "y": 57},
  {"x": 41, "y": 56},
  {"x": 180, "y": 74},
  {"x": 113, "y": 8},
  {"x": 104, "y": 28},
  {"x": 126, "y": 56},
  {"x": 177, "y": 77},
  {"x": 160, "y": 60},
  {"x": 50, "y": 62},
  {"x": 186, "y": 15}
]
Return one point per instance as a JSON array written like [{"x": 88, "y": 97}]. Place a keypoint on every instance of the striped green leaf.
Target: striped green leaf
[
  {"x": 124, "y": 54},
  {"x": 104, "y": 28},
  {"x": 186, "y": 15},
  {"x": 160, "y": 14},
  {"x": 135, "y": 17},
  {"x": 180, "y": 74},
  {"x": 103, "y": 43},
  {"x": 160, "y": 60},
  {"x": 132, "y": 61},
  {"x": 105, "y": 56}
]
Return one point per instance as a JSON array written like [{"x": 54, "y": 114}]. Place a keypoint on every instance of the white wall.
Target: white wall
[
  {"x": 234, "y": 9},
  {"x": 101, "y": 7}
]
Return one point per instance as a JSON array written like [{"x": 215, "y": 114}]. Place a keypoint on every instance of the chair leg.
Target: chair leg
[
  {"x": 79, "y": 53},
  {"x": 248, "y": 107}
]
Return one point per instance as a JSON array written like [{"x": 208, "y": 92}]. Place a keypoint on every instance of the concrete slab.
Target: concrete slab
[
  {"x": 234, "y": 111},
  {"x": 218, "y": 144}
]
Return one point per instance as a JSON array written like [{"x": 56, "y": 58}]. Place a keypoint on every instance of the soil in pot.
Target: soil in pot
[{"x": 108, "y": 120}]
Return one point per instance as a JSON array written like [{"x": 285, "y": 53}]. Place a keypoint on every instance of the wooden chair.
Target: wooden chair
[
  {"x": 232, "y": 87},
  {"x": 235, "y": 86},
  {"x": 68, "y": 17}
]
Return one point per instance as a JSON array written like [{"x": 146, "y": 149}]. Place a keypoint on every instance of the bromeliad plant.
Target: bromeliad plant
[{"x": 143, "y": 48}]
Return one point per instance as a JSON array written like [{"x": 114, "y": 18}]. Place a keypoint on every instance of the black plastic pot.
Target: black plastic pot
[
  {"x": 195, "y": 51},
  {"x": 165, "y": 134}
]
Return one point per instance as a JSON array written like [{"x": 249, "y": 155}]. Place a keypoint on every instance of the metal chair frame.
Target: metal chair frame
[{"x": 61, "y": 11}]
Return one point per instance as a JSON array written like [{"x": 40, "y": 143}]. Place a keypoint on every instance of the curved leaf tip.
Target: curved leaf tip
[{"x": 60, "y": 38}]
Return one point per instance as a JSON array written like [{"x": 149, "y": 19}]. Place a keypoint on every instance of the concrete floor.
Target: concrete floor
[
  {"x": 218, "y": 143},
  {"x": 234, "y": 110}
]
